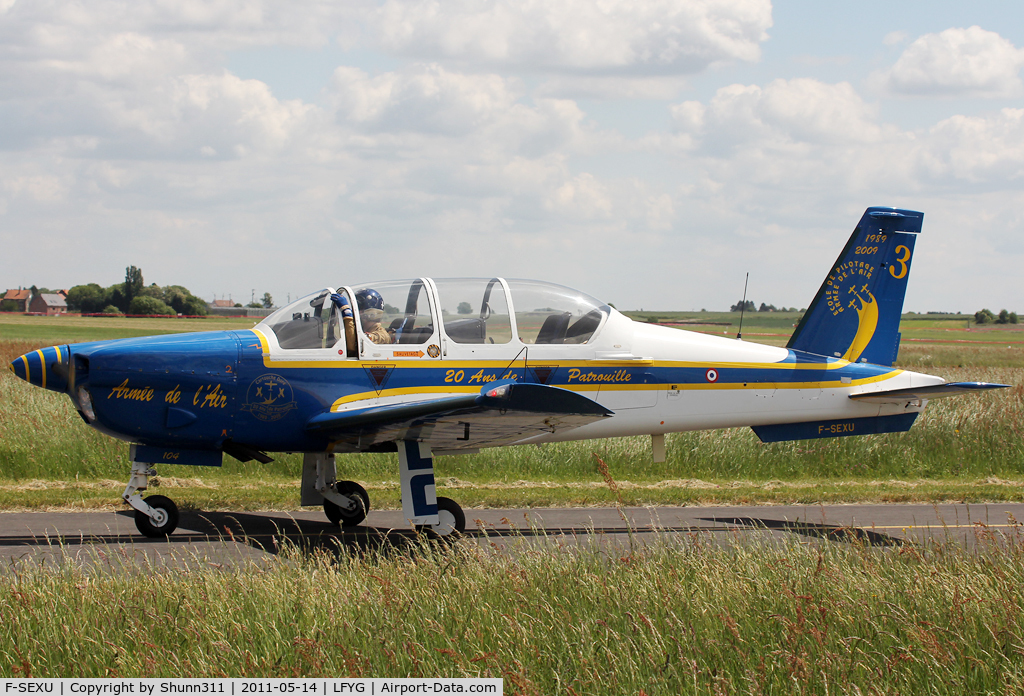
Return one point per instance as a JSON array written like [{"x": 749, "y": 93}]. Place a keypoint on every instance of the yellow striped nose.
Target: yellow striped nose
[{"x": 46, "y": 368}]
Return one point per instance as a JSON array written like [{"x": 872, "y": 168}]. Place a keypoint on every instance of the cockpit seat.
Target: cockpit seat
[
  {"x": 554, "y": 327},
  {"x": 469, "y": 330}
]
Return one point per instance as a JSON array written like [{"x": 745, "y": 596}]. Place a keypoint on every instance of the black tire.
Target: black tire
[
  {"x": 145, "y": 524},
  {"x": 348, "y": 518},
  {"x": 452, "y": 524}
]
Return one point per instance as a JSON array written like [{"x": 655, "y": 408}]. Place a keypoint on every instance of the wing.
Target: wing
[
  {"x": 499, "y": 415},
  {"x": 902, "y": 396}
]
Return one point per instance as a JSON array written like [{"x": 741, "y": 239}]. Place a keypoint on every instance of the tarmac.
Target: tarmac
[{"x": 231, "y": 539}]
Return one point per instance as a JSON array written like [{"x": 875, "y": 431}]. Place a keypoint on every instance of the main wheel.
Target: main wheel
[
  {"x": 165, "y": 520},
  {"x": 348, "y": 518},
  {"x": 452, "y": 522}
]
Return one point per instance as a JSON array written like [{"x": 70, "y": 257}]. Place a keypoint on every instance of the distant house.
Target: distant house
[
  {"x": 49, "y": 304},
  {"x": 20, "y": 298},
  {"x": 222, "y": 303}
]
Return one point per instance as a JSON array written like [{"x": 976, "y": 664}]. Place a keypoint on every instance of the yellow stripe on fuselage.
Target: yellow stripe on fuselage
[
  {"x": 42, "y": 366},
  {"x": 471, "y": 389}
]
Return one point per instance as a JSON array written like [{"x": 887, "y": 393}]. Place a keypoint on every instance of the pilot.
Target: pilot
[{"x": 371, "y": 312}]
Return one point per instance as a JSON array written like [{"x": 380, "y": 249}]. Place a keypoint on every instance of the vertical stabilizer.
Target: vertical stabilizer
[{"x": 856, "y": 313}]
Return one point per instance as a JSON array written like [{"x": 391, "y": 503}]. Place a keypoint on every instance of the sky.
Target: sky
[{"x": 650, "y": 154}]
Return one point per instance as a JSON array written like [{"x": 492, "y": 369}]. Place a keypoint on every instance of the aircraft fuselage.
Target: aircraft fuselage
[{"x": 203, "y": 390}]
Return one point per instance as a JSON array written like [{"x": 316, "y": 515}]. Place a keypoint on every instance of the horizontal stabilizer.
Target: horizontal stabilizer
[
  {"x": 902, "y": 396},
  {"x": 500, "y": 414},
  {"x": 838, "y": 427}
]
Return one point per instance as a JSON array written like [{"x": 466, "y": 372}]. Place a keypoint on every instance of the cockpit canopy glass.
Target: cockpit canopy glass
[
  {"x": 307, "y": 323},
  {"x": 404, "y": 311},
  {"x": 474, "y": 310},
  {"x": 552, "y": 314}
]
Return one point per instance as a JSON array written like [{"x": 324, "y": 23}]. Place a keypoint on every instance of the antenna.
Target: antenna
[{"x": 743, "y": 307}]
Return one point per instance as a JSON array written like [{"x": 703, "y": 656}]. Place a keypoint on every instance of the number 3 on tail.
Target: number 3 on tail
[{"x": 902, "y": 261}]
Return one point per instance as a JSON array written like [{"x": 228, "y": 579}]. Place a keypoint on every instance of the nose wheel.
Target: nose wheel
[
  {"x": 155, "y": 516},
  {"x": 162, "y": 520}
]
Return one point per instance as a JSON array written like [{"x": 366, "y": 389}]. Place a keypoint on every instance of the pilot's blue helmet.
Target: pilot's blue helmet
[{"x": 368, "y": 298}]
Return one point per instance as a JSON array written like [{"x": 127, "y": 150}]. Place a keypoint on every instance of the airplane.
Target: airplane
[{"x": 437, "y": 367}]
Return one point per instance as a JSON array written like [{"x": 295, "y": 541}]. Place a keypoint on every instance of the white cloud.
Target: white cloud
[
  {"x": 894, "y": 38},
  {"x": 40, "y": 188},
  {"x": 403, "y": 111},
  {"x": 612, "y": 87},
  {"x": 582, "y": 197},
  {"x": 425, "y": 99},
  {"x": 759, "y": 147},
  {"x": 228, "y": 113},
  {"x": 784, "y": 112},
  {"x": 578, "y": 35},
  {"x": 986, "y": 151},
  {"x": 956, "y": 62},
  {"x": 212, "y": 26},
  {"x": 123, "y": 126}
]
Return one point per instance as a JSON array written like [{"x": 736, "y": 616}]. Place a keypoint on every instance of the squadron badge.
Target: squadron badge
[{"x": 269, "y": 398}]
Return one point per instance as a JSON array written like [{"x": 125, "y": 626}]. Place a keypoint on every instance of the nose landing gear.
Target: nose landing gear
[{"x": 155, "y": 516}]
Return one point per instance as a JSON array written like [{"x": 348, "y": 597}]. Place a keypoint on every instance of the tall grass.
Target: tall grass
[{"x": 664, "y": 619}]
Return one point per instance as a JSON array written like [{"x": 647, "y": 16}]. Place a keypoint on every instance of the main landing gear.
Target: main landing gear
[
  {"x": 450, "y": 520},
  {"x": 441, "y": 517},
  {"x": 354, "y": 508},
  {"x": 155, "y": 516},
  {"x": 346, "y": 503}
]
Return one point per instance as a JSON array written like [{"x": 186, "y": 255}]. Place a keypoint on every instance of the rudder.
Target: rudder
[{"x": 856, "y": 313}]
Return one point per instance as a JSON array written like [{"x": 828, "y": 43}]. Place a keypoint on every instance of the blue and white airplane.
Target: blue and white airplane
[{"x": 432, "y": 367}]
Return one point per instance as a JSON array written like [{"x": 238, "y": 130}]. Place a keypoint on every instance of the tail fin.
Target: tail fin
[{"x": 856, "y": 313}]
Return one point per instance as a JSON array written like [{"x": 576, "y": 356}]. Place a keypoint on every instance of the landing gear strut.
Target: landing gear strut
[
  {"x": 345, "y": 503},
  {"x": 157, "y": 515}
]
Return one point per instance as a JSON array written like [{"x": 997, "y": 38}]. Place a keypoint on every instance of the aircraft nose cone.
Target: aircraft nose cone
[
  {"x": 17, "y": 366},
  {"x": 46, "y": 368}
]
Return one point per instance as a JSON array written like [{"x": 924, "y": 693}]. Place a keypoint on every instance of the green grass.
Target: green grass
[
  {"x": 48, "y": 331},
  {"x": 671, "y": 618}
]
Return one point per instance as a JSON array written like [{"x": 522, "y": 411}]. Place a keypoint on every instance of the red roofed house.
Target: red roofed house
[
  {"x": 20, "y": 298},
  {"x": 49, "y": 304}
]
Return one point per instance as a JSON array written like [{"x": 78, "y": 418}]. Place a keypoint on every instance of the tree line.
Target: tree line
[
  {"x": 987, "y": 317},
  {"x": 133, "y": 296},
  {"x": 749, "y": 306}
]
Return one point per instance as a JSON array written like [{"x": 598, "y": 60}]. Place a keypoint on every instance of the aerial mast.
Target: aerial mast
[{"x": 743, "y": 307}]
